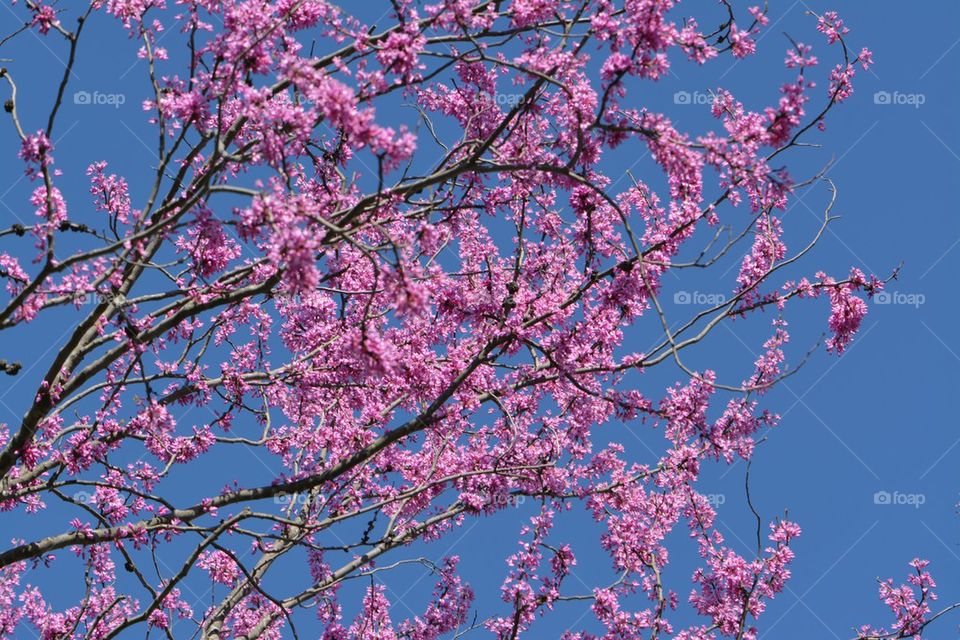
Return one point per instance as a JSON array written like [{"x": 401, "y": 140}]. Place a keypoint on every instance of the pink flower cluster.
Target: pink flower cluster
[{"x": 910, "y": 603}]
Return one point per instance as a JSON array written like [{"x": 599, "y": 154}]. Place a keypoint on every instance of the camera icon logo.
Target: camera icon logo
[
  {"x": 882, "y": 97},
  {"x": 882, "y": 497},
  {"x": 682, "y": 297},
  {"x": 882, "y": 297},
  {"x": 82, "y": 97},
  {"x": 682, "y": 97}
]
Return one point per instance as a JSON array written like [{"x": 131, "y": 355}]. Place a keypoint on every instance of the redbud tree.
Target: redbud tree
[{"x": 414, "y": 326}]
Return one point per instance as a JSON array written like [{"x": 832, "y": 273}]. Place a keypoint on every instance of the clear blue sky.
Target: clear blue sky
[{"x": 881, "y": 418}]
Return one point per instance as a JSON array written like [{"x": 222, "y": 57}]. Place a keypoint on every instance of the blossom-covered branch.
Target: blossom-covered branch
[{"x": 411, "y": 325}]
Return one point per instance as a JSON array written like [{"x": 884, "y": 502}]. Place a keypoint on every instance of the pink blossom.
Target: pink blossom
[
  {"x": 831, "y": 26},
  {"x": 35, "y": 151},
  {"x": 44, "y": 17}
]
